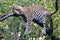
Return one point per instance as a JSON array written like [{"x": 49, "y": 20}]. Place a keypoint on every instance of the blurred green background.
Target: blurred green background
[{"x": 16, "y": 24}]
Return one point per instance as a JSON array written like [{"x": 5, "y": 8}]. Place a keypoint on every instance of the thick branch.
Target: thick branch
[{"x": 5, "y": 16}]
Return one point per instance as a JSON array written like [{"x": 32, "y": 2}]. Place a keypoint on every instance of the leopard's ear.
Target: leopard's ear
[{"x": 15, "y": 7}]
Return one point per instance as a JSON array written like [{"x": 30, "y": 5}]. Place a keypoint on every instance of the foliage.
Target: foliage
[{"x": 6, "y": 25}]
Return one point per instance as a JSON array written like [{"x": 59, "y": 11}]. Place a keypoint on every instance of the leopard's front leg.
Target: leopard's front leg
[{"x": 27, "y": 24}]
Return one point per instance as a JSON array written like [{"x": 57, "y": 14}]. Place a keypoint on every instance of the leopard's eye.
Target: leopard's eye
[{"x": 17, "y": 9}]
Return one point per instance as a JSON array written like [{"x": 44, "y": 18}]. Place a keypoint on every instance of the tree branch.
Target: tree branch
[
  {"x": 56, "y": 7},
  {"x": 5, "y": 16}
]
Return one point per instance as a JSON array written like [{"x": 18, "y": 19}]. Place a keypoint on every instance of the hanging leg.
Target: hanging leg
[
  {"x": 27, "y": 26},
  {"x": 49, "y": 30},
  {"x": 44, "y": 26},
  {"x": 44, "y": 29}
]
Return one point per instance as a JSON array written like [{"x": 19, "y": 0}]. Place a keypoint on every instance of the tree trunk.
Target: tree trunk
[{"x": 15, "y": 33}]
